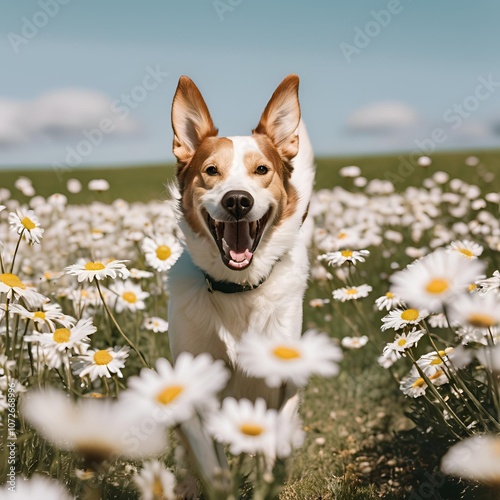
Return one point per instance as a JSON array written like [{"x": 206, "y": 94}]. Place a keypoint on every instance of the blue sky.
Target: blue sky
[{"x": 376, "y": 75}]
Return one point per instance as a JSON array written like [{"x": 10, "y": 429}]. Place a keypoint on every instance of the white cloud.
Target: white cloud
[
  {"x": 382, "y": 117},
  {"x": 58, "y": 115}
]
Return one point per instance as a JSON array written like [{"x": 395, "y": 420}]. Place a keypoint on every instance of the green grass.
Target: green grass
[
  {"x": 146, "y": 182},
  {"x": 359, "y": 443}
]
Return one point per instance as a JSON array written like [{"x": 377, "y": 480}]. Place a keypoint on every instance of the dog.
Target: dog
[{"x": 242, "y": 201}]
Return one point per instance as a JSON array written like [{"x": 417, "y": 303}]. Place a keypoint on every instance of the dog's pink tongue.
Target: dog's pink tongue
[{"x": 239, "y": 241}]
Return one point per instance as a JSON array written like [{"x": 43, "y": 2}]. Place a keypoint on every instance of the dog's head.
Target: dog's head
[{"x": 235, "y": 191}]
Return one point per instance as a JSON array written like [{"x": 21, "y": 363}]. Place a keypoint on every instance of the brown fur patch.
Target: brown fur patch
[
  {"x": 193, "y": 181},
  {"x": 286, "y": 194}
]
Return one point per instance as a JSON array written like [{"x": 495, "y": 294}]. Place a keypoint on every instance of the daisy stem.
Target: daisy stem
[
  {"x": 494, "y": 389},
  {"x": 106, "y": 385},
  {"x": 7, "y": 339},
  {"x": 15, "y": 251},
  {"x": 21, "y": 358},
  {"x": 2, "y": 267},
  {"x": 117, "y": 387},
  {"x": 460, "y": 384},
  {"x": 14, "y": 337},
  {"x": 110, "y": 314},
  {"x": 436, "y": 393}
]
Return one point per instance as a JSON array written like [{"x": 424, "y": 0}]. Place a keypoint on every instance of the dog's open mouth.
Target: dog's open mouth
[{"x": 237, "y": 241}]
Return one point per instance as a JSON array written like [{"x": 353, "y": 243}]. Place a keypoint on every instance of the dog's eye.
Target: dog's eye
[
  {"x": 261, "y": 170},
  {"x": 211, "y": 170}
]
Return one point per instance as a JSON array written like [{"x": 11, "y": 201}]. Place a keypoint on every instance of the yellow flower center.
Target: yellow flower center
[
  {"x": 418, "y": 383},
  {"x": 436, "y": 375},
  {"x": 401, "y": 342},
  {"x": 167, "y": 395},
  {"x": 341, "y": 236},
  {"x": 466, "y": 252},
  {"x": 346, "y": 253},
  {"x": 438, "y": 359},
  {"x": 28, "y": 223},
  {"x": 481, "y": 320},
  {"x": 130, "y": 297},
  {"x": 163, "y": 252},
  {"x": 94, "y": 266},
  {"x": 102, "y": 357},
  {"x": 409, "y": 315},
  {"x": 284, "y": 352},
  {"x": 472, "y": 287},
  {"x": 389, "y": 295},
  {"x": 157, "y": 489},
  {"x": 352, "y": 291},
  {"x": 251, "y": 429},
  {"x": 62, "y": 335},
  {"x": 437, "y": 286},
  {"x": 39, "y": 315},
  {"x": 12, "y": 280}
]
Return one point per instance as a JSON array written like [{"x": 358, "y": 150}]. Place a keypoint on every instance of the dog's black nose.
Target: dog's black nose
[{"x": 237, "y": 203}]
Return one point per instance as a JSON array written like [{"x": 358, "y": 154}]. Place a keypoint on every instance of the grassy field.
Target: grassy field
[
  {"x": 142, "y": 183},
  {"x": 359, "y": 442}
]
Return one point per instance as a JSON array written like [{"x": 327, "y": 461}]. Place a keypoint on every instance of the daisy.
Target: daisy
[
  {"x": 289, "y": 434},
  {"x": 466, "y": 248},
  {"x": 280, "y": 359},
  {"x": 96, "y": 429},
  {"x": 62, "y": 339},
  {"x": 438, "y": 320},
  {"x": 98, "y": 185},
  {"x": 435, "y": 279},
  {"x": 156, "y": 324},
  {"x": 104, "y": 362},
  {"x": 388, "y": 301},
  {"x": 399, "y": 318},
  {"x": 246, "y": 427},
  {"x": 477, "y": 311},
  {"x": 161, "y": 252},
  {"x": 404, "y": 341},
  {"x": 387, "y": 359},
  {"x": 155, "y": 481},
  {"x": 345, "y": 238},
  {"x": 13, "y": 287},
  {"x": 138, "y": 274},
  {"x": 490, "y": 284},
  {"x": 174, "y": 393},
  {"x": 354, "y": 342},
  {"x": 350, "y": 171},
  {"x": 413, "y": 385},
  {"x": 27, "y": 224},
  {"x": 130, "y": 296},
  {"x": 97, "y": 270},
  {"x": 51, "y": 314},
  {"x": 475, "y": 458},
  {"x": 37, "y": 486},
  {"x": 342, "y": 256},
  {"x": 352, "y": 292},
  {"x": 432, "y": 362}
]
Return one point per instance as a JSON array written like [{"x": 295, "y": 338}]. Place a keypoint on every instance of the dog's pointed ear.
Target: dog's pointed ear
[
  {"x": 281, "y": 117},
  {"x": 191, "y": 120}
]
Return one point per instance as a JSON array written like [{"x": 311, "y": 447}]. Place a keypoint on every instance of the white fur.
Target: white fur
[{"x": 200, "y": 321}]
